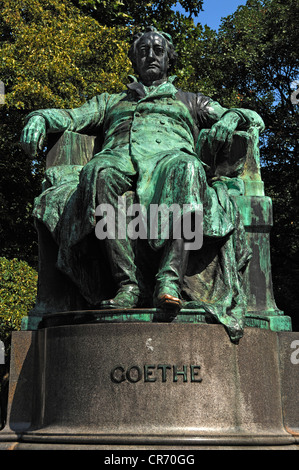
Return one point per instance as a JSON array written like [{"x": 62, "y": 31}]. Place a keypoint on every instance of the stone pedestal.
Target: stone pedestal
[{"x": 147, "y": 385}]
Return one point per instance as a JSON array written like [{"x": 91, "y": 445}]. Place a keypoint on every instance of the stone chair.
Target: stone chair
[{"x": 243, "y": 161}]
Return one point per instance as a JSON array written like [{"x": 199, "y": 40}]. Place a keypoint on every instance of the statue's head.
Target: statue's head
[{"x": 152, "y": 55}]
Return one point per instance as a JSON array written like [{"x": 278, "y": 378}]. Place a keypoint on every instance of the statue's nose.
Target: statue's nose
[{"x": 151, "y": 54}]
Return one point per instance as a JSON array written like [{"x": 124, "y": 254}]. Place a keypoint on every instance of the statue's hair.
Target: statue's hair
[{"x": 172, "y": 55}]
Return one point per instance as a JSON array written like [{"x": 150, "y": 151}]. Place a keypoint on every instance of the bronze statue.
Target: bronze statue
[{"x": 155, "y": 148}]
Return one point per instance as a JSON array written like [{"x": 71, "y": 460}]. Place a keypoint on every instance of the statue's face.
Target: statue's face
[{"x": 151, "y": 58}]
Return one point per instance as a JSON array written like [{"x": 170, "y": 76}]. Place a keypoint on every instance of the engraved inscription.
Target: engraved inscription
[{"x": 156, "y": 373}]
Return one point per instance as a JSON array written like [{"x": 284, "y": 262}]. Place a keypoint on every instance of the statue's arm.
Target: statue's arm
[
  {"x": 88, "y": 117},
  {"x": 223, "y": 122},
  {"x": 247, "y": 118}
]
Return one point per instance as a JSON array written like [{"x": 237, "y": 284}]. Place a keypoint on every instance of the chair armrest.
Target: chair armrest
[
  {"x": 70, "y": 148},
  {"x": 241, "y": 160}
]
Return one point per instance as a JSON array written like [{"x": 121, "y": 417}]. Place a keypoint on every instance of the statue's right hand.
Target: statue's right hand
[{"x": 33, "y": 135}]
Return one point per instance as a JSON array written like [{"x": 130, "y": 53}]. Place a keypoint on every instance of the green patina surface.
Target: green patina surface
[
  {"x": 269, "y": 322},
  {"x": 167, "y": 147}
]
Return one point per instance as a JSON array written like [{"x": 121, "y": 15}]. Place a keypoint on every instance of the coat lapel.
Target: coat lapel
[{"x": 158, "y": 90}]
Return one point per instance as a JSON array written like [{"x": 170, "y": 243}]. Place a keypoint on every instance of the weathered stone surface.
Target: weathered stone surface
[
  {"x": 147, "y": 384},
  {"x": 289, "y": 364}
]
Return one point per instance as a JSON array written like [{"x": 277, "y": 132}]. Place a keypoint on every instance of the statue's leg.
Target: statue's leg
[
  {"x": 184, "y": 183},
  {"x": 170, "y": 276},
  {"x": 112, "y": 184}
]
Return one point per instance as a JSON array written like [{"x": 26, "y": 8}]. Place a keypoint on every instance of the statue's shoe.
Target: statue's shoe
[
  {"x": 126, "y": 297},
  {"x": 168, "y": 302}
]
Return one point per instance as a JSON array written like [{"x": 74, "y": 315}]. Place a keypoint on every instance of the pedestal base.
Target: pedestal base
[
  {"x": 147, "y": 385},
  {"x": 273, "y": 320}
]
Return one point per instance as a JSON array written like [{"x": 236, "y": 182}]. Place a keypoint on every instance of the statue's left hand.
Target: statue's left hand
[
  {"x": 222, "y": 132},
  {"x": 33, "y": 135}
]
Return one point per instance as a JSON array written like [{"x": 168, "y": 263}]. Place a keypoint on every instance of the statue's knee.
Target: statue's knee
[
  {"x": 187, "y": 166},
  {"x": 108, "y": 179},
  {"x": 107, "y": 175}
]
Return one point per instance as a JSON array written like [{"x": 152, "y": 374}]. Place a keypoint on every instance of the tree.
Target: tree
[
  {"x": 84, "y": 59},
  {"x": 193, "y": 43},
  {"x": 18, "y": 284},
  {"x": 60, "y": 53},
  {"x": 51, "y": 55},
  {"x": 256, "y": 56},
  {"x": 54, "y": 54},
  {"x": 139, "y": 14},
  {"x": 259, "y": 57}
]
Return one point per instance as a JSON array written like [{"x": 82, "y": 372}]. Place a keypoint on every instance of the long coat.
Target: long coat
[{"x": 144, "y": 130}]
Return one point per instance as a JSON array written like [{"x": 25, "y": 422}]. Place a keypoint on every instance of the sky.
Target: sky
[{"x": 214, "y": 10}]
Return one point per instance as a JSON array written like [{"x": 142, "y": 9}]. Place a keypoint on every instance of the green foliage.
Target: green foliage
[
  {"x": 51, "y": 55},
  {"x": 59, "y": 53},
  {"x": 19, "y": 182},
  {"x": 131, "y": 13},
  {"x": 191, "y": 42},
  {"x": 282, "y": 187},
  {"x": 258, "y": 60},
  {"x": 18, "y": 284},
  {"x": 84, "y": 59}
]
